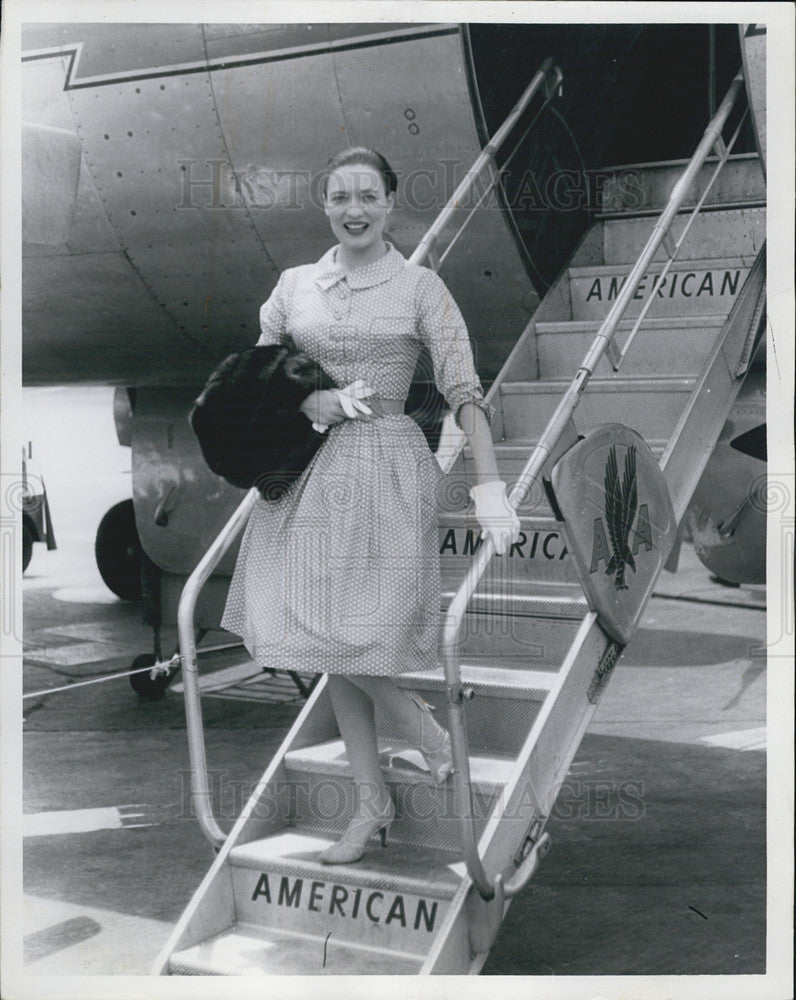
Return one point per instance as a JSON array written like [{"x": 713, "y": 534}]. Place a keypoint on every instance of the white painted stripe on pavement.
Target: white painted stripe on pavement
[
  {"x": 47, "y": 824},
  {"x": 743, "y": 739},
  {"x": 75, "y": 654},
  {"x": 122, "y": 944}
]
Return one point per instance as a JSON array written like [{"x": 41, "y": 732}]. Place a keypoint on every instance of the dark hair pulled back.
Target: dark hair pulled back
[{"x": 362, "y": 156}]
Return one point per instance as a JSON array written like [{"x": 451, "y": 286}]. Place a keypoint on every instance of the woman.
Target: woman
[{"x": 342, "y": 573}]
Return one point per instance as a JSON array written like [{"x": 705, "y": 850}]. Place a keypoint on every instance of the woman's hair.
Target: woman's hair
[{"x": 362, "y": 156}]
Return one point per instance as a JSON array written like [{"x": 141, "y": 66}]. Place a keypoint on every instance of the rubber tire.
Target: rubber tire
[
  {"x": 117, "y": 550},
  {"x": 27, "y": 545},
  {"x": 144, "y": 685}
]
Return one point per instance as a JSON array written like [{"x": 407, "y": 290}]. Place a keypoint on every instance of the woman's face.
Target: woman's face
[{"x": 357, "y": 206}]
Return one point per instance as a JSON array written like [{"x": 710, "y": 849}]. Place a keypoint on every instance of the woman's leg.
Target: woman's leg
[
  {"x": 374, "y": 809},
  {"x": 413, "y": 718},
  {"x": 353, "y": 709},
  {"x": 394, "y": 701}
]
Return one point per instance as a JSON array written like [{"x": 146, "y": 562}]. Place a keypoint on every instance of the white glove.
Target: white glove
[
  {"x": 350, "y": 400},
  {"x": 497, "y": 517}
]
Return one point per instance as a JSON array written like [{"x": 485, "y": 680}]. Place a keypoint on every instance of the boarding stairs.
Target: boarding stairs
[{"x": 526, "y": 647}]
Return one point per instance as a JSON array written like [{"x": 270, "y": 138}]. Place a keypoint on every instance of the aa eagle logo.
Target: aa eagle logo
[{"x": 621, "y": 507}]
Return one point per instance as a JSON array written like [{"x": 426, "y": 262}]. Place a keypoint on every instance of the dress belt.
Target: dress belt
[{"x": 379, "y": 404}]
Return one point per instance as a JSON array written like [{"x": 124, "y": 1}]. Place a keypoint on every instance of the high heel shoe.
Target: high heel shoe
[
  {"x": 439, "y": 759},
  {"x": 352, "y": 845}
]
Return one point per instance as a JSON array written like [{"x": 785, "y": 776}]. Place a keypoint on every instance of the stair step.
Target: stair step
[
  {"x": 492, "y": 637},
  {"x": 528, "y": 598},
  {"x": 392, "y": 898},
  {"x": 508, "y": 697},
  {"x": 426, "y": 814},
  {"x": 539, "y": 553},
  {"x": 681, "y": 264},
  {"x": 494, "y": 679},
  {"x": 518, "y": 630},
  {"x": 645, "y": 187},
  {"x": 693, "y": 287},
  {"x": 511, "y": 456},
  {"x": 465, "y": 520},
  {"x": 246, "y": 950},
  {"x": 401, "y": 868},
  {"x": 488, "y": 774},
  {"x": 674, "y": 347},
  {"x": 650, "y": 406},
  {"x": 538, "y": 644},
  {"x": 722, "y": 234}
]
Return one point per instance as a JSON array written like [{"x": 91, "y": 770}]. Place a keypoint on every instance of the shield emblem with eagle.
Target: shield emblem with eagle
[
  {"x": 618, "y": 522},
  {"x": 621, "y": 505}
]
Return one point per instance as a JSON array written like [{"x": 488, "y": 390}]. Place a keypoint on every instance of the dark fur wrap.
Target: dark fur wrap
[{"x": 247, "y": 419}]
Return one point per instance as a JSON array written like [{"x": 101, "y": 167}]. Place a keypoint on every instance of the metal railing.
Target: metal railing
[
  {"x": 200, "y": 788},
  {"x": 548, "y": 80},
  {"x": 555, "y": 428}
]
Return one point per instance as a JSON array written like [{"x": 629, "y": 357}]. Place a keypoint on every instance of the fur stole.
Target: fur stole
[{"x": 247, "y": 419}]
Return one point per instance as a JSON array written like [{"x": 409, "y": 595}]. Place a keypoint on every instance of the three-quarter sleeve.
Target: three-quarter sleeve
[
  {"x": 442, "y": 330},
  {"x": 273, "y": 315}
]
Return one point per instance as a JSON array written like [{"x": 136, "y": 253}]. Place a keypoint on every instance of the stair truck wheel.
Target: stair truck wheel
[
  {"x": 146, "y": 686},
  {"x": 118, "y": 551}
]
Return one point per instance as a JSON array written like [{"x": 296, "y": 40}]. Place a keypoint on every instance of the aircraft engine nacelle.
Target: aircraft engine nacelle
[
  {"x": 180, "y": 505},
  {"x": 147, "y": 546}
]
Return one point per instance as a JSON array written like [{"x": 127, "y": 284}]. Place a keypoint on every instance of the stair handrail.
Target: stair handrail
[
  {"x": 201, "y": 797},
  {"x": 549, "y": 77},
  {"x": 723, "y": 151},
  {"x": 555, "y": 428}
]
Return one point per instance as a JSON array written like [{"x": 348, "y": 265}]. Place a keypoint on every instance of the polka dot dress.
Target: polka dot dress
[{"x": 342, "y": 573}]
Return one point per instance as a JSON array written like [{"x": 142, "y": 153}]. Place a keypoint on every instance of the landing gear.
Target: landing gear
[{"x": 118, "y": 552}]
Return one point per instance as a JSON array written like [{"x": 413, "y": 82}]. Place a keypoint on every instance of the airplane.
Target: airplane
[{"x": 170, "y": 173}]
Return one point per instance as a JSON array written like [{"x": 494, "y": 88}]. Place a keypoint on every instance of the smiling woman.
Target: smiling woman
[
  {"x": 317, "y": 586},
  {"x": 359, "y": 193}
]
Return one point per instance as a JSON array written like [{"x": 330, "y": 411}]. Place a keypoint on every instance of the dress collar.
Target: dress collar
[{"x": 378, "y": 271}]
